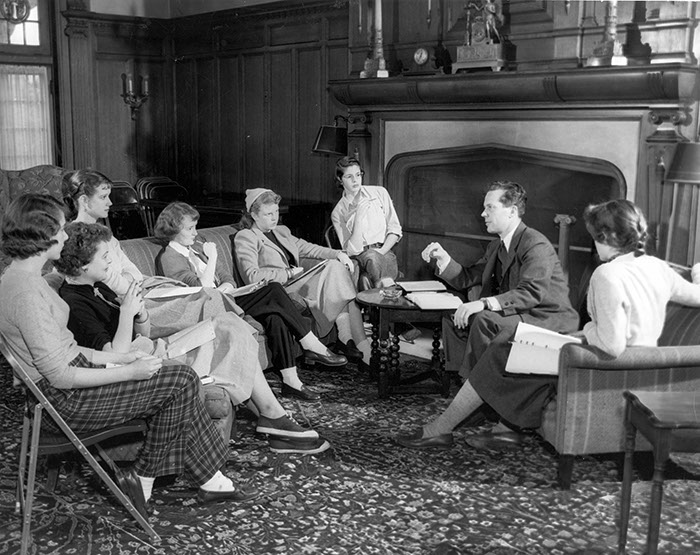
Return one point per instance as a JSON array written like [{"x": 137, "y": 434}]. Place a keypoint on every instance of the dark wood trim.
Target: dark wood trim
[{"x": 632, "y": 86}]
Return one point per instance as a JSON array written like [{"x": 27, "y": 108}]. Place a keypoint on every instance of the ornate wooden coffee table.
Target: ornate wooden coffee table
[{"x": 384, "y": 364}]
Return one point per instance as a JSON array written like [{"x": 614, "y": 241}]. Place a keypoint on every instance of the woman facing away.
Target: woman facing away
[
  {"x": 194, "y": 263},
  {"x": 627, "y": 300},
  {"x": 266, "y": 250},
  {"x": 99, "y": 320},
  {"x": 366, "y": 223},
  {"x": 33, "y": 319},
  {"x": 86, "y": 193}
]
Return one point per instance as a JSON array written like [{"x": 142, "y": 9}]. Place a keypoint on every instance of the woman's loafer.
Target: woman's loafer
[
  {"x": 130, "y": 485},
  {"x": 241, "y": 493},
  {"x": 329, "y": 359},
  {"x": 303, "y": 394}
]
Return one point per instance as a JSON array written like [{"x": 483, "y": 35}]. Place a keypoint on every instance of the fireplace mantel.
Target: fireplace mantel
[{"x": 633, "y": 86}]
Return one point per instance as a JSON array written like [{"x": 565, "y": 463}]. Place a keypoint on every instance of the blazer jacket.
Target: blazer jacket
[
  {"x": 533, "y": 284},
  {"x": 172, "y": 264},
  {"x": 260, "y": 258}
]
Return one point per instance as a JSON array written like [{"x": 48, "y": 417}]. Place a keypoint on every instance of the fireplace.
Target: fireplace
[
  {"x": 439, "y": 197},
  {"x": 570, "y": 137}
]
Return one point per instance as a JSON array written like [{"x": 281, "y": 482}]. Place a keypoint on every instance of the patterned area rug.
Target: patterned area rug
[{"x": 364, "y": 496}]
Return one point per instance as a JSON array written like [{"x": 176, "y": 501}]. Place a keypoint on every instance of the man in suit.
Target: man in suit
[{"x": 519, "y": 279}]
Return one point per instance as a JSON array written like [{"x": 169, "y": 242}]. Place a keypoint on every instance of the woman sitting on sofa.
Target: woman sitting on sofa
[
  {"x": 627, "y": 300},
  {"x": 187, "y": 259},
  {"x": 86, "y": 193},
  {"x": 181, "y": 438},
  {"x": 266, "y": 250},
  {"x": 223, "y": 347}
]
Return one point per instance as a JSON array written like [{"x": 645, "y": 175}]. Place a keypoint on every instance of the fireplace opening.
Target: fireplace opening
[{"x": 439, "y": 195}]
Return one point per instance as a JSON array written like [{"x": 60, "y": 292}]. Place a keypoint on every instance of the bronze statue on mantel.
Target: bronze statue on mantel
[{"x": 483, "y": 42}]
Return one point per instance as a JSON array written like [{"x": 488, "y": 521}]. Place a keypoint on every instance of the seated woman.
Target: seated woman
[
  {"x": 86, "y": 194},
  {"x": 366, "y": 223},
  {"x": 266, "y": 250},
  {"x": 627, "y": 300},
  {"x": 197, "y": 264},
  {"x": 100, "y": 321},
  {"x": 181, "y": 438}
]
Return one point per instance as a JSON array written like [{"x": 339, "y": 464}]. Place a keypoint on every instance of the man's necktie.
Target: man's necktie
[{"x": 501, "y": 258}]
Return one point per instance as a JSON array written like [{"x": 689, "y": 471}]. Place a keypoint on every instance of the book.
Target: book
[
  {"x": 536, "y": 350},
  {"x": 168, "y": 292},
  {"x": 435, "y": 300},
  {"x": 426, "y": 285},
  {"x": 246, "y": 289},
  {"x": 310, "y": 271},
  {"x": 185, "y": 340}
]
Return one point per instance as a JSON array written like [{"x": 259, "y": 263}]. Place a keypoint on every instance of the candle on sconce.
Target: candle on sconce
[
  {"x": 129, "y": 84},
  {"x": 144, "y": 88},
  {"x": 123, "y": 84}
]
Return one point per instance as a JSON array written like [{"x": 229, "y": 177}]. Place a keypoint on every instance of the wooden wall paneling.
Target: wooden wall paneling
[
  {"x": 254, "y": 120},
  {"x": 81, "y": 96},
  {"x": 231, "y": 138},
  {"x": 186, "y": 120},
  {"x": 116, "y": 143},
  {"x": 312, "y": 113},
  {"x": 205, "y": 177},
  {"x": 280, "y": 158}
]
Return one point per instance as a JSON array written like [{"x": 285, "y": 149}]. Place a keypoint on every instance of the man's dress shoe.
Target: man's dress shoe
[
  {"x": 498, "y": 441},
  {"x": 416, "y": 441},
  {"x": 130, "y": 485},
  {"x": 303, "y": 394},
  {"x": 329, "y": 359},
  {"x": 349, "y": 349},
  {"x": 241, "y": 493}
]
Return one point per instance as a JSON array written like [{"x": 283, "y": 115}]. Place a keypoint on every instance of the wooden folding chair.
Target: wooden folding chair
[{"x": 50, "y": 443}]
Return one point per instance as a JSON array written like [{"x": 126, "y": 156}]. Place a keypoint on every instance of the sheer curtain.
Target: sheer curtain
[{"x": 25, "y": 117}]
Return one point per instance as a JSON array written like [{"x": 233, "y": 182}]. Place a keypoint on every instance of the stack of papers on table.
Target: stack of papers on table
[
  {"x": 426, "y": 285},
  {"x": 433, "y": 300}
]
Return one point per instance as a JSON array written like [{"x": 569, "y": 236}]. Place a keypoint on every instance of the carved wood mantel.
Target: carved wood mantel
[{"x": 631, "y": 86}]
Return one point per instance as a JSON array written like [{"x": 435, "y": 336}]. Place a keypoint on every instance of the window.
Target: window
[
  {"x": 19, "y": 22},
  {"x": 25, "y": 117}
]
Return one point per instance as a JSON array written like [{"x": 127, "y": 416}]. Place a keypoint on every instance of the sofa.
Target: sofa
[
  {"x": 47, "y": 179},
  {"x": 587, "y": 415}
]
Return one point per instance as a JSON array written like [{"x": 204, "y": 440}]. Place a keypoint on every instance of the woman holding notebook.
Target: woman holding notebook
[
  {"x": 627, "y": 300},
  {"x": 187, "y": 259},
  {"x": 266, "y": 250},
  {"x": 223, "y": 347}
]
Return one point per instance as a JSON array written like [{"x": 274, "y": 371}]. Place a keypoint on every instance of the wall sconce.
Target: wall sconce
[
  {"x": 132, "y": 99},
  {"x": 332, "y": 140},
  {"x": 683, "y": 241}
]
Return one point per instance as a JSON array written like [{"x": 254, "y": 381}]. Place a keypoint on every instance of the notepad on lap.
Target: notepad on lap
[
  {"x": 247, "y": 289},
  {"x": 195, "y": 336},
  {"x": 167, "y": 292},
  {"x": 307, "y": 272},
  {"x": 536, "y": 350}
]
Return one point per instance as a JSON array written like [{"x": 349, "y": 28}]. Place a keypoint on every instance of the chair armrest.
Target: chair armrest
[{"x": 574, "y": 356}]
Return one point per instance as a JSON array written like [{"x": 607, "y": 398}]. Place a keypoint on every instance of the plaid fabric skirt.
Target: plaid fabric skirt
[{"x": 181, "y": 438}]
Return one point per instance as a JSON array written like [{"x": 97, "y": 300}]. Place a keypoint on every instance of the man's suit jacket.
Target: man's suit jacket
[
  {"x": 260, "y": 258},
  {"x": 533, "y": 283}
]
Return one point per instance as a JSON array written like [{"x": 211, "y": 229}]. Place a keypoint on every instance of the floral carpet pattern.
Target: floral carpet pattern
[{"x": 363, "y": 496}]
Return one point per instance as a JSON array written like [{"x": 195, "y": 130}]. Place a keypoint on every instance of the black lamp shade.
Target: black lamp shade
[
  {"x": 331, "y": 140},
  {"x": 685, "y": 166}
]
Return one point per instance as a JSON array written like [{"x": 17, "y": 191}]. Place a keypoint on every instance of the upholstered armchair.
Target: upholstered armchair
[{"x": 587, "y": 416}]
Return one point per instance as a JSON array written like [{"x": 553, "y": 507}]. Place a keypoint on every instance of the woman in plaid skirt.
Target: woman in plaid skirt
[{"x": 181, "y": 438}]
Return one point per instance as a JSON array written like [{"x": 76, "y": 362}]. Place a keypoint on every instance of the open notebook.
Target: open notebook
[{"x": 535, "y": 350}]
